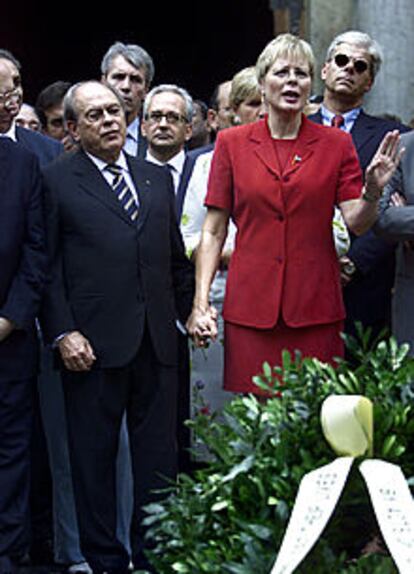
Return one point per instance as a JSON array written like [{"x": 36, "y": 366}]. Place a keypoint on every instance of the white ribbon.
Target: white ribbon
[
  {"x": 318, "y": 494},
  {"x": 347, "y": 422},
  {"x": 394, "y": 509}
]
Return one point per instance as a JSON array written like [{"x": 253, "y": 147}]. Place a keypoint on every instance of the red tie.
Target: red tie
[{"x": 337, "y": 121}]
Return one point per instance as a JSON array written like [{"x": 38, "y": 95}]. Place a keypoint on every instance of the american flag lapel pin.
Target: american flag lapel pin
[{"x": 296, "y": 159}]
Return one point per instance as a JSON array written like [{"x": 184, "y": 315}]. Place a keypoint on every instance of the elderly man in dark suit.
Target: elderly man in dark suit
[
  {"x": 120, "y": 280},
  {"x": 22, "y": 276},
  {"x": 352, "y": 62},
  {"x": 46, "y": 150}
]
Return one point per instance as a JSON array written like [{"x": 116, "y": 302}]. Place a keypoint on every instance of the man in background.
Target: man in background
[
  {"x": 130, "y": 70},
  {"x": 28, "y": 118},
  {"x": 352, "y": 62},
  {"x": 49, "y": 108},
  {"x": 167, "y": 126}
]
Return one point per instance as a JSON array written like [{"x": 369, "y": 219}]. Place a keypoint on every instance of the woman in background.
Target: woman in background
[{"x": 207, "y": 364}]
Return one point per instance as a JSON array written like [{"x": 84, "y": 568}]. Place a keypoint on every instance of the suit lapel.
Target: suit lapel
[
  {"x": 316, "y": 118},
  {"x": 143, "y": 186},
  {"x": 4, "y": 165},
  {"x": 264, "y": 147},
  {"x": 363, "y": 130},
  {"x": 304, "y": 148},
  {"x": 182, "y": 187},
  {"x": 93, "y": 183}
]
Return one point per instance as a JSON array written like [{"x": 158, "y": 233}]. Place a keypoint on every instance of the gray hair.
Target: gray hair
[
  {"x": 362, "y": 40},
  {"x": 70, "y": 109},
  {"x": 188, "y": 100},
  {"x": 134, "y": 54}
]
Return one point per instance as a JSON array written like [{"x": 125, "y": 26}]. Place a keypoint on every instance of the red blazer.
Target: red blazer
[{"x": 284, "y": 262}]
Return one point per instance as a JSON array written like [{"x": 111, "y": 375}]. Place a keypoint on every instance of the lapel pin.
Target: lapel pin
[{"x": 296, "y": 159}]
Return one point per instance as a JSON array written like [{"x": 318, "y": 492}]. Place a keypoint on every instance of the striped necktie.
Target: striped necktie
[{"x": 122, "y": 191}]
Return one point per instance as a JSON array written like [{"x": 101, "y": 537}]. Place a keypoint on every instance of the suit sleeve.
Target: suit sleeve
[
  {"x": 350, "y": 174},
  {"x": 181, "y": 268},
  {"x": 374, "y": 248},
  {"x": 395, "y": 223},
  {"x": 220, "y": 182},
  {"x": 23, "y": 299},
  {"x": 56, "y": 315}
]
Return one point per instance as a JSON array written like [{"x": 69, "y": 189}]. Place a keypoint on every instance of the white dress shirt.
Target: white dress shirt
[
  {"x": 11, "y": 133},
  {"x": 349, "y": 118},
  {"x": 122, "y": 163},
  {"x": 175, "y": 164},
  {"x": 131, "y": 140}
]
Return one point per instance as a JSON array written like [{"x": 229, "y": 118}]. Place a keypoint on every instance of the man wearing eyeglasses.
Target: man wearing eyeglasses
[
  {"x": 167, "y": 126},
  {"x": 119, "y": 280},
  {"x": 352, "y": 62},
  {"x": 11, "y": 93}
]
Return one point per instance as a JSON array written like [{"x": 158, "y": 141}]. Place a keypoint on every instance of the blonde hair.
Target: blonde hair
[
  {"x": 244, "y": 86},
  {"x": 284, "y": 45}
]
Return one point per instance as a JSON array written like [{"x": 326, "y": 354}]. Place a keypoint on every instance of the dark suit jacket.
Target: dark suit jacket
[
  {"x": 46, "y": 149},
  {"x": 368, "y": 296},
  {"x": 111, "y": 276},
  {"x": 190, "y": 158},
  {"x": 22, "y": 257}
]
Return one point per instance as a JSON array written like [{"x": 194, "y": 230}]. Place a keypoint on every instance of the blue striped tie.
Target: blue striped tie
[{"x": 122, "y": 191}]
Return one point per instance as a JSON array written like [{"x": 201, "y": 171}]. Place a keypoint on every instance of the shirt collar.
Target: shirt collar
[
  {"x": 177, "y": 162},
  {"x": 132, "y": 130},
  {"x": 349, "y": 117},
  {"x": 101, "y": 164},
  {"x": 11, "y": 133}
]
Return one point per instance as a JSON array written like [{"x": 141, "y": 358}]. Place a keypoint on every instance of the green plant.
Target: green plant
[{"x": 230, "y": 517}]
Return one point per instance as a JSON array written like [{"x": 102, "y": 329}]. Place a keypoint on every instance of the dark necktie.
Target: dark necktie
[
  {"x": 122, "y": 191},
  {"x": 337, "y": 121},
  {"x": 172, "y": 171}
]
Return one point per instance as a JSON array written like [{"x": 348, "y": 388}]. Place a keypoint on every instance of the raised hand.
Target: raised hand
[{"x": 384, "y": 163}]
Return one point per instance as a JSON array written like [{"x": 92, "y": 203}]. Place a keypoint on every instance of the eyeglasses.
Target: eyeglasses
[
  {"x": 342, "y": 60},
  {"x": 172, "y": 118},
  {"x": 11, "y": 95}
]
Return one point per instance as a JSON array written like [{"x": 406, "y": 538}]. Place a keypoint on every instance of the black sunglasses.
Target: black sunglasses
[{"x": 342, "y": 60}]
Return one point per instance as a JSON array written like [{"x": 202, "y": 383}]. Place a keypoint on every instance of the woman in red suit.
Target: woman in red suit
[{"x": 279, "y": 179}]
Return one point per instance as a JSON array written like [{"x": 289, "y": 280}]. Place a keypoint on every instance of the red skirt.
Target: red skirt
[{"x": 246, "y": 349}]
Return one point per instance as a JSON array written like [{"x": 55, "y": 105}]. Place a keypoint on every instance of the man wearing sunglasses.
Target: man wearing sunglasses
[{"x": 352, "y": 62}]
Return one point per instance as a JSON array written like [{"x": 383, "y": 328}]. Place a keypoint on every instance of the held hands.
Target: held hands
[
  {"x": 202, "y": 325},
  {"x": 383, "y": 164},
  {"x": 76, "y": 352}
]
